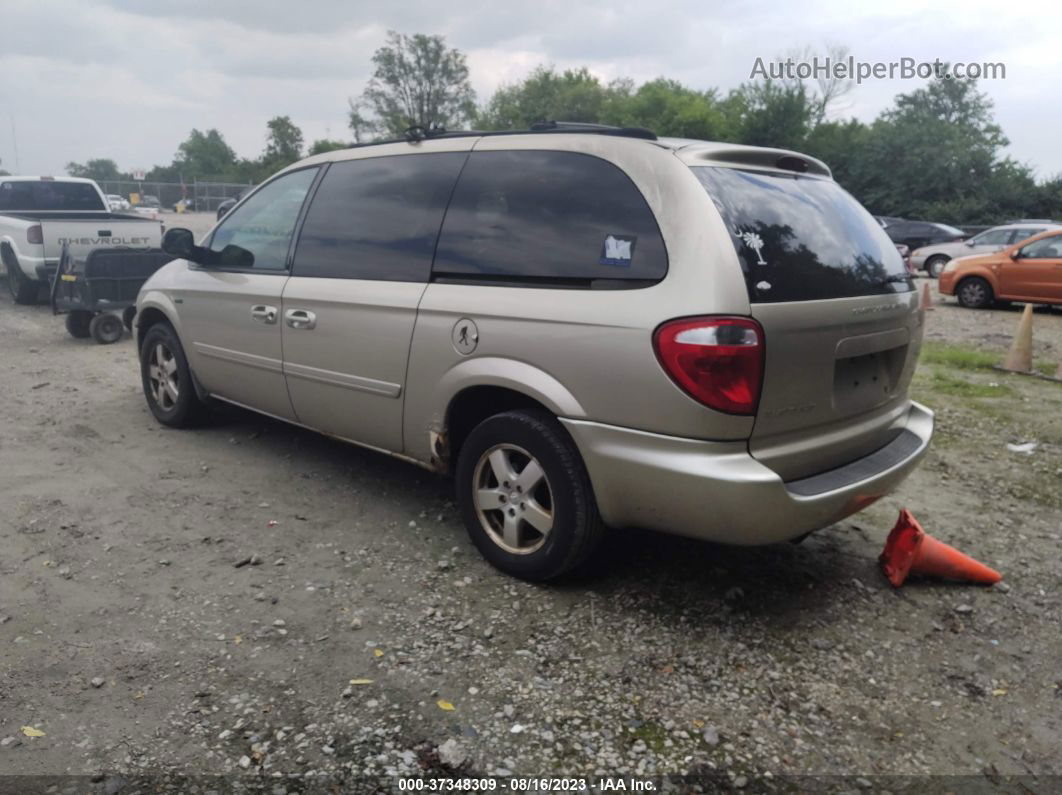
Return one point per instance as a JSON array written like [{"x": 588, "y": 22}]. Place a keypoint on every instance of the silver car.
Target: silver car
[
  {"x": 932, "y": 259},
  {"x": 585, "y": 327}
]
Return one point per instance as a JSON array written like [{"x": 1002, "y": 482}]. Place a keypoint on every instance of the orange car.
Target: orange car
[{"x": 1030, "y": 271}]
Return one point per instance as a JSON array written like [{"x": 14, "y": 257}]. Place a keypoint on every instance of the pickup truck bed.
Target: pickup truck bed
[{"x": 31, "y": 242}]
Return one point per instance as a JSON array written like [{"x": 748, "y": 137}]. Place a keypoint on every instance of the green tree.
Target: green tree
[
  {"x": 283, "y": 142},
  {"x": 668, "y": 108},
  {"x": 546, "y": 95},
  {"x": 322, "y": 145},
  {"x": 769, "y": 113},
  {"x": 417, "y": 81},
  {"x": 99, "y": 169},
  {"x": 935, "y": 154},
  {"x": 841, "y": 144},
  {"x": 203, "y": 155}
]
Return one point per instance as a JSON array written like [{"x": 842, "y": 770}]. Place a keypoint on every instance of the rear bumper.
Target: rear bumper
[{"x": 718, "y": 492}]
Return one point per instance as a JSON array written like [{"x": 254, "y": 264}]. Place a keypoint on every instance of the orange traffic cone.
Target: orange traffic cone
[
  {"x": 927, "y": 299},
  {"x": 911, "y": 550},
  {"x": 1019, "y": 357}
]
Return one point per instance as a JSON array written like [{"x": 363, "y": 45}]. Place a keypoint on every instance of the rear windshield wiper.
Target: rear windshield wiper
[{"x": 895, "y": 278}]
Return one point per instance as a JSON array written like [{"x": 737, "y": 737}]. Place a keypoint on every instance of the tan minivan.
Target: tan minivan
[{"x": 587, "y": 327}]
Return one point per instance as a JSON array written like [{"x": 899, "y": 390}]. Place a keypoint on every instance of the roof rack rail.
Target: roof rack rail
[
  {"x": 418, "y": 132},
  {"x": 588, "y": 127}
]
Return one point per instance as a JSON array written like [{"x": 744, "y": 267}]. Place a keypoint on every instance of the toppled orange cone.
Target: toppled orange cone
[{"x": 911, "y": 550}]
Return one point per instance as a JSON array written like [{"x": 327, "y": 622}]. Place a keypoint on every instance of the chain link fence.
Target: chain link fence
[{"x": 200, "y": 196}]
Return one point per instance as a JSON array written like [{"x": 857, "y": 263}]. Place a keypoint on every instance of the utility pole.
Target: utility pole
[{"x": 14, "y": 142}]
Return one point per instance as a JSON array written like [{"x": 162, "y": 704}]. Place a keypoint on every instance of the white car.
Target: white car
[
  {"x": 117, "y": 203},
  {"x": 932, "y": 259}
]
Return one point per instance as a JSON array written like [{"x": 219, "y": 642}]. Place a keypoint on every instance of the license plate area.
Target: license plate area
[{"x": 861, "y": 383}]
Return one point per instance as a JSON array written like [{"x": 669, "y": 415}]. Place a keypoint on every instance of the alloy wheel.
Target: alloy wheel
[
  {"x": 513, "y": 499},
  {"x": 163, "y": 375}
]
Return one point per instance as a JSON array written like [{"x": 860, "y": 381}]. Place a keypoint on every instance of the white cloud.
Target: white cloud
[{"x": 128, "y": 79}]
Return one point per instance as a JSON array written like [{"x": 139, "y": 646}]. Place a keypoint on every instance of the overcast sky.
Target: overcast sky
[{"x": 127, "y": 79}]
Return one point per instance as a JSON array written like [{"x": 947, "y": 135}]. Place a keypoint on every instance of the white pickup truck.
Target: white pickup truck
[{"x": 39, "y": 214}]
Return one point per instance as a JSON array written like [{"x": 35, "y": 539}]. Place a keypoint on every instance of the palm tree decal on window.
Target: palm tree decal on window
[{"x": 755, "y": 242}]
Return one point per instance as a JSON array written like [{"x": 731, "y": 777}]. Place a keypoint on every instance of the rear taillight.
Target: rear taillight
[
  {"x": 717, "y": 360},
  {"x": 35, "y": 234}
]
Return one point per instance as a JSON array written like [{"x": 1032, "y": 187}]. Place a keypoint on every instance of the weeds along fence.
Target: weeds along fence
[{"x": 201, "y": 196}]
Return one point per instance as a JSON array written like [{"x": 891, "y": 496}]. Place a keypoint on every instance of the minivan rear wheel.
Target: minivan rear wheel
[
  {"x": 974, "y": 293},
  {"x": 525, "y": 496}
]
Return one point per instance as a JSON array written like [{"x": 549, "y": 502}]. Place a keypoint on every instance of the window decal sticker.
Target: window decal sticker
[
  {"x": 755, "y": 242},
  {"x": 618, "y": 250}
]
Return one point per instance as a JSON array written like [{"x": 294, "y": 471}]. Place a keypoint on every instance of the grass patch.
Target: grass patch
[
  {"x": 962, "y": 358},
  {"x": 958, "y": 357},
  {"x": 652, "y": 734},
  {"x": 946, "y": 384}
]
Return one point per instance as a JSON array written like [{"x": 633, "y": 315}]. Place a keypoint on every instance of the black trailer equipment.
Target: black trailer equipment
[{"x": 93, "y": 291}]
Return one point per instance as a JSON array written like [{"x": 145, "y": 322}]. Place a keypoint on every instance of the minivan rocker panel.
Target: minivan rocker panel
[{"x": 724, "y": 351}]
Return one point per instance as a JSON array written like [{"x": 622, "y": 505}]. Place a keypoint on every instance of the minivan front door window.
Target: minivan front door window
[{"x": 258, "y": 233}]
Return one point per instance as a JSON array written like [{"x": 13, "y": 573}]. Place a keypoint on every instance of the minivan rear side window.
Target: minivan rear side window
[
  {"x": 802, "y": 238},
  {"x": 377, "y": 218},
  {"x": 549, "y": 219}
]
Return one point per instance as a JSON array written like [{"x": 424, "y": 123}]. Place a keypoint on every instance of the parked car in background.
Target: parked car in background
[
  {"x": 39, "y": 214},
  {"x": 932, "y": 259},
  {"x": 1029, "y": 271},
  {"x": 149, "y": 207},
  {"x": 228, "y": 204},
  {"x": 587, "y": 326},
  {"x": 887, "y": 220},
  {"x": 117, "y": 203},
  {"x": 915, "y": 234}
]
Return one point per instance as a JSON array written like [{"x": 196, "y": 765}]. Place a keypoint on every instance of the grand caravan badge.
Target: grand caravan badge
[{"x": 618, "y": 250}]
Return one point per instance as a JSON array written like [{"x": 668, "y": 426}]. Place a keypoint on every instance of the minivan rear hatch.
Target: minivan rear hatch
[{"x": 839, "y": 312}]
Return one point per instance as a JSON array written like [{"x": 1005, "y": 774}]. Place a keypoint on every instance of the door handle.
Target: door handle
[
  {"x": 300, "y": 318},
  {"x": 264, "y": 314}
]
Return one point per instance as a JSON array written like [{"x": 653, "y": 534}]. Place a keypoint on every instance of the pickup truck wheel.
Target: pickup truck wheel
[
  {"x": 77, "y": 324},
  {"x": 167, "y": 379},
  {"x": 24, "y": 291},
  {"x": 106, "y": 328},
  {"x": 525, "y": 496}
]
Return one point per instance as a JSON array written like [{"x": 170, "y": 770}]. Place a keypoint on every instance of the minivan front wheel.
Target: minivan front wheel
[
  {"x": 974, "y": 293},
  {"x": 525, "y": 496},
  {"x": 167, "y": 379}
]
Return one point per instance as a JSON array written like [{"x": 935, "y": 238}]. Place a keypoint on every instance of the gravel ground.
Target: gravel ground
[{"x": 255, "y": 600}]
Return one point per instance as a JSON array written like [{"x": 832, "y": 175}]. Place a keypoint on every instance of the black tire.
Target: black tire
[
  {"x": 128, "y": 316},
  {"x": 187, "y": 410},
  {"x": 106, "y": 328},
  {"x": 23, "y": 291},
  {"x": 974, "y": 292},
  {"x": 77, "y": 324},
  {"x": 576, "y": 525},
  {"x": 935, "y": 266}
]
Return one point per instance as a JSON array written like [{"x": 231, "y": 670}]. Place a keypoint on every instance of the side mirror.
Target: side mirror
[
  {"x": 1015, "y": 254},
  {"x": 969, "y": 243},
  {"x": 180, "y": 243}
]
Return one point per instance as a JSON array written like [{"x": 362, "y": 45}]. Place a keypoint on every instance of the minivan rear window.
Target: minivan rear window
[
  {"x": 802, "y": 238},
  {"x": 49, "y": 195},
  {"x": 545, "y": 218}
]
